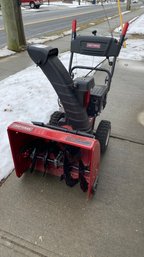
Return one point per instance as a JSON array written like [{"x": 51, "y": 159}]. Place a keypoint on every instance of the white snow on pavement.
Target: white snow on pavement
[
  {"x": 137, "y": 27},
  {"x": 5, "y": 52},
  {"x": 134, "y": 50}
]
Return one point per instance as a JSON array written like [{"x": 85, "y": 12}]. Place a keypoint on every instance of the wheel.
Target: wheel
[
  {"x": 103, "y": 134},
  {"x": 55, "y": 117},
  {"x": 37, "y": 6},
  {"x": 32, "y": 5}
]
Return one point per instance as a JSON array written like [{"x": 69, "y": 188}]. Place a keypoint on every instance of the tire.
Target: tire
[
  {"x": 103, "y": 134},
  {"x": 37, "y": 6},
  {"x": 55, "y": 117},
  {"x": 32, "y": 5}
]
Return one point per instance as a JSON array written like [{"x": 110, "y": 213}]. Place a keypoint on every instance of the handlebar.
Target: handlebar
[
  {"x": 125, "y": 28},
  {"x": 74, "y": 24}
]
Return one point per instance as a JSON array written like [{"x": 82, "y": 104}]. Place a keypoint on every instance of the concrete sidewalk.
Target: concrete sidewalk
[{"x": 42, "y": 217}]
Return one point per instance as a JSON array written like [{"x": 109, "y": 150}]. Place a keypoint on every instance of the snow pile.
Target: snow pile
[
  {"x": 134, "y": 50},
  {"x": 5, "y": 52},
  {"x": 137, "y": 27}
]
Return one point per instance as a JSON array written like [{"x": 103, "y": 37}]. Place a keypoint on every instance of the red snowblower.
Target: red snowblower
[{"x": 69, "y": 146}]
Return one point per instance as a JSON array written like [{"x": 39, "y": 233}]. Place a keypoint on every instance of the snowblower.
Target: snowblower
[{"x": 69, "y": 146}]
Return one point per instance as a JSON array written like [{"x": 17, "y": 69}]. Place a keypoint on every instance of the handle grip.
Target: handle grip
[
  {"x": 122, "y": 37},
  {"x": 74, "y": 24},
  {"x": 125, "y": 28}
]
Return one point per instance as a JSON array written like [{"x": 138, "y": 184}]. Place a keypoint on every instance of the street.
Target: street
[{"x": 46, "y": 21}]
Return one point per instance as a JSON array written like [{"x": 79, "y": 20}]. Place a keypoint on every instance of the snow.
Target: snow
[
  {"x": 134, "y": 50},
  {"x": 137, "y": 27},
  {"x": 74, "y": 4},
  {"x": 28, "y": 95},
  {"x": 5, "y": 52}
]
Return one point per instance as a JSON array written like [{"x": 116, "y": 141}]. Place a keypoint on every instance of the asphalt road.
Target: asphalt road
[{"x": 46, "y": 21}]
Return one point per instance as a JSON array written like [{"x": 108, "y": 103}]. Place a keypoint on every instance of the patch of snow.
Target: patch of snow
[
  {"x": 6, "y": 52},
  {"x": 134, "y": 50},
  {"x": 42, "y": 40},
  {"x": 137, "y": 27}
]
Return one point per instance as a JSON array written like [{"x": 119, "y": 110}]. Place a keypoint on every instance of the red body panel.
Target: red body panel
[{"x": 21, "y": 134}]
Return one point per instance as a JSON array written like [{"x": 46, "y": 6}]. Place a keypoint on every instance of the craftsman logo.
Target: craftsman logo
[
  {"x": 22, "y": 127},
  {"x": 93, "y": 45},
  {"x": 78, "y": 141}
]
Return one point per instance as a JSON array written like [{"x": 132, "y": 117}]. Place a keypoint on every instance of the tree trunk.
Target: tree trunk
[
  {"x": 12, "y": 16},
  {"x": 128, "y": 6}
]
